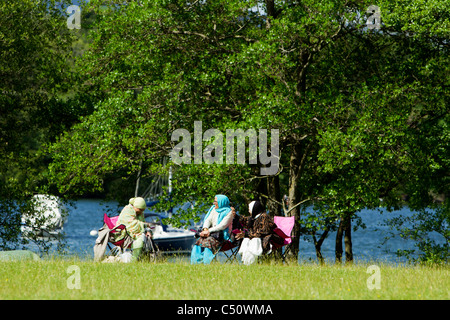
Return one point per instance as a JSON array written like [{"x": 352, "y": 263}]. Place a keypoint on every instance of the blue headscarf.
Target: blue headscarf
[{"x": 224, "y": 208}]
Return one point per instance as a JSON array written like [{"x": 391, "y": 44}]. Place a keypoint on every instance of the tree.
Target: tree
[
  {"x": 345, "y": 100},
  {"x": 429, "y": 229},
  {"x": 34, "y": 77}
]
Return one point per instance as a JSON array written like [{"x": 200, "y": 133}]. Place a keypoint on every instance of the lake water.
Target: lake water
[{"x": 87, "y": 215}]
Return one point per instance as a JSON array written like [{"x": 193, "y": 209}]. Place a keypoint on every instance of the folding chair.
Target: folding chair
[
  {"x": 151, "y": 250},
  {"x": 231, "y": 248},
  {"x": 285, "y": 225},
  {"x": 114, "y": 231}
]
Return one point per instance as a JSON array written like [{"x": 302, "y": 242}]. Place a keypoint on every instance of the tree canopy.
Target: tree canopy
[{"x": 362, "y": 113}]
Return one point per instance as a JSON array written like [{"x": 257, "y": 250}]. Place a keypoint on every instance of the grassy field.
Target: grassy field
[{"x": 53, "y": 279}]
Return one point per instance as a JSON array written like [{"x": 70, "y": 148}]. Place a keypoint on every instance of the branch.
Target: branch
[
  {"x": 188, "y": 33},
  {"x": 301, "y": 202},
  {"x": 238, "y": 37},
  {"x": 281, "y": 203},
  {"x": 266, "y": 196}
]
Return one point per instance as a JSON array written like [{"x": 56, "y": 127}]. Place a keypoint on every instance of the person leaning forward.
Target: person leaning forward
[{"x": 132, "y": 216}]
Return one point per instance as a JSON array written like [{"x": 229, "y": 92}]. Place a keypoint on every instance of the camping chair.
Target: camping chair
[
  {"x": 151, "y": 250},
  {"x": 114, "y": 231},
  {"x": 231, "y": 248},
  {"x": 284, "y": 230}
]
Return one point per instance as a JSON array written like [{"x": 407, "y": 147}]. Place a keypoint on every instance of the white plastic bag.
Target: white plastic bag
[
  {"x": 250, "y": 250},
  {"x": 126, "y": 257}
]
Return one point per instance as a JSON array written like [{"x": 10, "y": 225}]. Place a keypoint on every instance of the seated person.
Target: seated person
[
  {"x": 236, "y": 227},
  {"x": 259, "y": 225},
  {"x": 215, "y": 230},
  {"x": 132, "y": 217}
]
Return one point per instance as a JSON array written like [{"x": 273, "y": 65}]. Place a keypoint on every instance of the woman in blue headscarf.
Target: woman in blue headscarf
[{"x": 216, "y": 230}]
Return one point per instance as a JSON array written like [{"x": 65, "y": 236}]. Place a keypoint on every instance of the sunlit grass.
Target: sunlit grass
[{"x": 48, "y": 279}]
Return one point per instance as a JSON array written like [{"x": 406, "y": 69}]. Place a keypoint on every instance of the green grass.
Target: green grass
[{"x": 47, "y": 279}]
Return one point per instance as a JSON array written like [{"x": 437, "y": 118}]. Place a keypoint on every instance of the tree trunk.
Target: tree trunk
[
  {"x": 273, "y": 192},
  {"x": 294, "y": 192},
  {"x": 344, "y": 231},
  {"x": 318, "y": 246},
  {"x": 348, "y": 240},
  {"x": 271, "y": 12},
  {"x": 338, "y": 249}
]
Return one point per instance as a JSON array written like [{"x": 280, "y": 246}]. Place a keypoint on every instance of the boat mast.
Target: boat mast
[{"x": 136, "y": 190}]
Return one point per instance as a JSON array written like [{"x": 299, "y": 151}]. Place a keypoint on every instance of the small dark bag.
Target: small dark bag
[{"x": 218, "y": 235}]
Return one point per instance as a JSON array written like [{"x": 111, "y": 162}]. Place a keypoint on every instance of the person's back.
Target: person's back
[
  {"x": 132, "y": 217},
  {"x": 135, "y": 224}
]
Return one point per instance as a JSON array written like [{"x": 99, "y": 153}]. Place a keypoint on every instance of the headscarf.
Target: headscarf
[
  {"x": 138, "y": 203},
  {"x": 256, "y": 208},
  {"x": 224, "y": 208}
]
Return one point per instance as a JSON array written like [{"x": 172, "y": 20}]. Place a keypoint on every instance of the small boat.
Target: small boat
[
  {"x": 46, "y": 220},
  {"x": 170, "y": 239}
]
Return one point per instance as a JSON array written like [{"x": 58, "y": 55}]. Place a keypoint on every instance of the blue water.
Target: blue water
[
  {"x": 85, "y": 216},
  {"x": 368, "y": 244}
]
